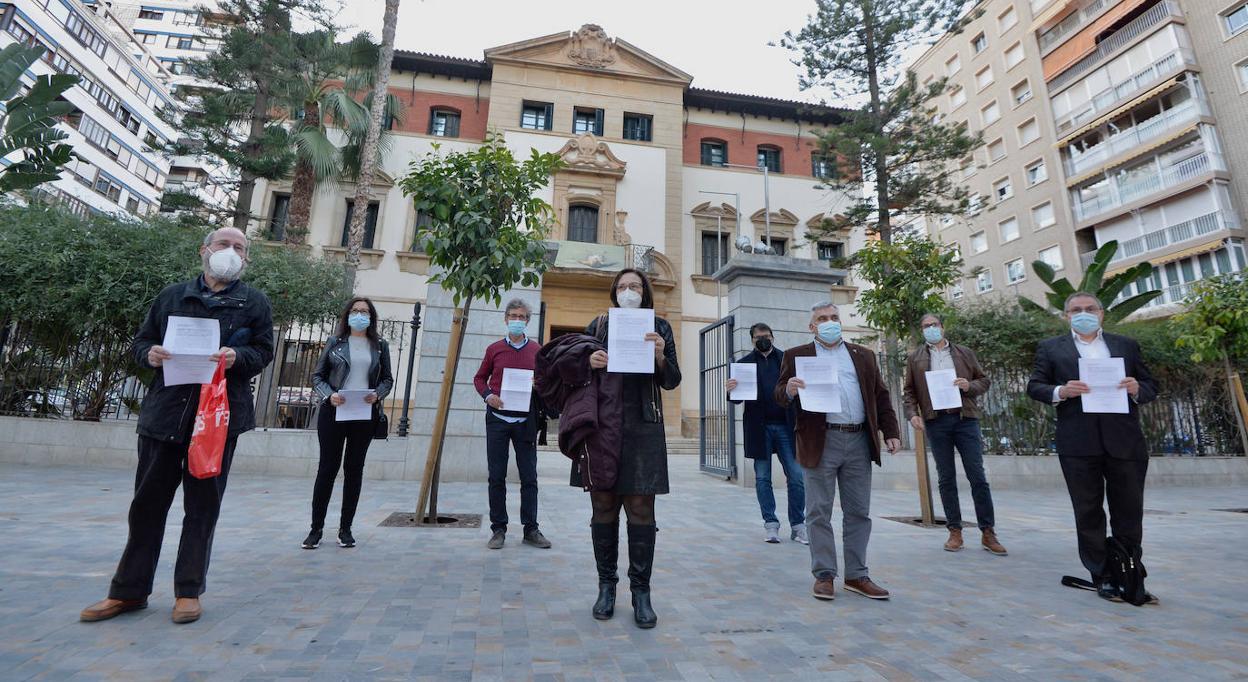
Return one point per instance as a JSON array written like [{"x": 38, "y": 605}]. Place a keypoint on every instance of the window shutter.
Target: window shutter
[
  {"x": 452, "y": 125},
  {"x": 598, "y": 115},
  {"x": 706, "y": 154},
  {"x": 550, "y": 116}
]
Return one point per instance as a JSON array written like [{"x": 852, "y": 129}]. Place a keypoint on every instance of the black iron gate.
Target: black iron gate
[{"x": 718, "y": 446}]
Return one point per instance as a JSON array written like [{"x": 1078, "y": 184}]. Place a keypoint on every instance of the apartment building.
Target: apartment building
[{"x": 116, "y": 124}]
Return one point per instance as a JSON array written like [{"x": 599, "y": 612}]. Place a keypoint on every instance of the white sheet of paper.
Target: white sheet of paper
[
  {"x": 746, "y": 374},
  {"x": 1103, "y": 375},
  {"x": 627, "y": 347},
  {"x": 940, "y": 389},
  {"x": 823, "y": 390},
  {"x": 191, "y": 340},
  {"x": 517, "y": 389},
  {"x": 354, "y": 408}
]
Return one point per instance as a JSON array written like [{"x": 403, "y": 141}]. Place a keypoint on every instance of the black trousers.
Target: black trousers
[
  {"x": 333, "y": 435},
  {"x": 162, "y": 468},
  {"x": 1093, "y": 480},
  {"x": 499, "y": 436}
]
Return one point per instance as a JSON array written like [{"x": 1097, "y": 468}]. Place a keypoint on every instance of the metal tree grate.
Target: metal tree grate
[{"x": 449, "y": 520}]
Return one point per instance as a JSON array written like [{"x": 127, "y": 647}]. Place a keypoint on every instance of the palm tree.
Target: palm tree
[
  {"x": 30, "y": 137},
  {"x": 372, "y": 142},
  {"x": 1094, "y": 282}
]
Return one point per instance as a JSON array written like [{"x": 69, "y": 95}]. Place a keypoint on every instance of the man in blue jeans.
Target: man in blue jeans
[
  {"x": 954, "y": 427},
  {"x": 768, "y": 428}
]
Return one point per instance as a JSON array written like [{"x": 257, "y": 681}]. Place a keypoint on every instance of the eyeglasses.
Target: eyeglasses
[
  {"x": 630, "y": 287},
  {"x": 1086, "y": 309}
]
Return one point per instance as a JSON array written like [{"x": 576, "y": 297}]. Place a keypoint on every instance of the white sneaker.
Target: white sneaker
[
  {"x": 799, "y": 534},
  {"x": 773, "y": 532}
]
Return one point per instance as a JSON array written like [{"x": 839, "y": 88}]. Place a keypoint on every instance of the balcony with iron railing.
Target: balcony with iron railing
[
  {"x": 1070, "y": 25},
  {"x": 1166, "y": 237},
  {"x": 1105, "y": 100},
  {"x": 1123, "y": 189},
  {"x": 1136, "y": 137},
  {"x": 1138, "y": 26}
]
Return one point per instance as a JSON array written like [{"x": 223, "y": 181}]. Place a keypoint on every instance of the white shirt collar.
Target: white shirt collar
[{"x": 1100, "y": 336}]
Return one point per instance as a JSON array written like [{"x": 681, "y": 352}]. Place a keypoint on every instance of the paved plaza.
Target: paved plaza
[{"x": 435, "y": 604}]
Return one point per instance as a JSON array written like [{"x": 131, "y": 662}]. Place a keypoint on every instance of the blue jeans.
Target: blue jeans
[
  {"x": 779, "y": 439},
  {"x": 946, "y": 432}
]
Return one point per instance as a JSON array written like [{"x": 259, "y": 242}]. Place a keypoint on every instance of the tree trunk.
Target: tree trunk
[
  {"x": 433, "y": 461},
  {"x": 302, "y": 188},
  {"x": 1239, "y": 405},
  {"x": 259, "y": 120},
  {"x": 368, "y": 152},
  {"x": 882, "y": 226}
]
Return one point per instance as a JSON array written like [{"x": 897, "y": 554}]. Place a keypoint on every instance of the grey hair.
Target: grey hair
[
  {"x": 824, "y": 304},
  {"x": 1082, "y": 294},
  {"x": 933, "y": 316},
  {"x": 208, "y": 237},
  {"x": 518, "y": 304}
]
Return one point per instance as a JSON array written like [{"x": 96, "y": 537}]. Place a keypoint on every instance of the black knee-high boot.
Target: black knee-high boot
[
  {"x": 607, "y": 554},
  {"x": 640, "y": 564}
]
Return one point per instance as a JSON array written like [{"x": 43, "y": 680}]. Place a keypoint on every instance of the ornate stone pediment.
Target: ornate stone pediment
[
  {"x": 781, "y": 217},
  {"x": 591, "y": 47},
  {"x": 587, "y": 154}
]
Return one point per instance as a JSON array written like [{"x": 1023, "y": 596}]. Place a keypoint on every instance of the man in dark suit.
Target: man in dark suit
[
  {"x": 768, "y": 428},
  {"x": 836, "y": 450},
  {"x": 1103, "y": 456}
]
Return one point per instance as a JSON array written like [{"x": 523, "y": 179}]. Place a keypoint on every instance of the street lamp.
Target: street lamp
[{"x": 766, "y": 196}]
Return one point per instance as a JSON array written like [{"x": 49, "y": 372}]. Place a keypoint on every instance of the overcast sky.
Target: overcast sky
[{"x": 722, "y": 44}]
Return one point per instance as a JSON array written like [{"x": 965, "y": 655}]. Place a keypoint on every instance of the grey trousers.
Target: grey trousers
[{"x": 846, "y": 464}]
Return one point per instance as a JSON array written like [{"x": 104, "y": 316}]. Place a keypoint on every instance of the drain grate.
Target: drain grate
[
  {"x": 449, "y": 520},
  {"x": 938, "y": 522},
  {"x": 1240, "y": 510}
]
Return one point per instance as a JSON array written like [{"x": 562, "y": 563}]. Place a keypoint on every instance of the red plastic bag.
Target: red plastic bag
[{"x": 212, "y": 427}]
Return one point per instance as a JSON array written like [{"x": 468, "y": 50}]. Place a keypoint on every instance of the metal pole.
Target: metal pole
[
  {"x": 719, "y": 260},
  {"x": 404, "y": 421},
  {"x": 767, "y": 206}
]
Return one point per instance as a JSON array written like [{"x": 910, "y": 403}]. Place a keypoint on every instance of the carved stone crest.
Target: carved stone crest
[
  {"x": 587, "y": 153},
  {"x": 591, "y": 47}
]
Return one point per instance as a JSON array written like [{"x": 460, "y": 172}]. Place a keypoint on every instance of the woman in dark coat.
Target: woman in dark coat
[{"x": 643, "y": 461}]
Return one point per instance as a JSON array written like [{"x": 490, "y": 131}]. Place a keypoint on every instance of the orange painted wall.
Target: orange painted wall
[
  {"x": 473, "y": 113},
  {"x": 795, "y": 152},
  {"x": 1083, "y": 43}
]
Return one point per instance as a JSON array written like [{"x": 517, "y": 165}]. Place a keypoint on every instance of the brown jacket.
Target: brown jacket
[
  {"x": 812, "y": 427},
  {"x": 965, "y": 365}
]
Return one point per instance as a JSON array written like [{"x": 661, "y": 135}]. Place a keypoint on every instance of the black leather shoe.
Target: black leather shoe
[
  {"x": 643, "y": 614},
  {"x": 1108, "y": 591},
  {"x": 604, "y": 608}
]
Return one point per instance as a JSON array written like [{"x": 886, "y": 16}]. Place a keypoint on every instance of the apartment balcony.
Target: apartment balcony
[
  {"x": 1162, "y": 11},
  {"x": 1070, "y": 25},
  {"x": 1167, "y": 237},
  {"x": 1125, "y": 189},
  {"x": 1136, "y": 138},
  {"x": 1108, "y": 99}
]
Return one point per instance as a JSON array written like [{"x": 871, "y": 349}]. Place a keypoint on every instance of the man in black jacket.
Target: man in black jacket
[
  {"x": 1103, "y": 455},
  {"x": 167, "y": 417},
  {"x": 768, "y": 428}
]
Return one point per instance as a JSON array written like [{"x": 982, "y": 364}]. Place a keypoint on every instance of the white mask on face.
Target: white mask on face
[
  {"x": 225, "y": 264},
  {"x": 628, "y": 299}
]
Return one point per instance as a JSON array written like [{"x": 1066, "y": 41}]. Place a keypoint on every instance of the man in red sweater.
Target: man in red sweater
[{"x": 514, "y": 427}]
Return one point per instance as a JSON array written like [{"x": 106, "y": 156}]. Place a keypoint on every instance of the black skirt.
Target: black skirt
[{"x": 643, "y": 456}]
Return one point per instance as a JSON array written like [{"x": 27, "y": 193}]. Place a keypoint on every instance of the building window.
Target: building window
[
  {"x": 979, "y": 43},
  {"x": 955, "y": 291},
  {"x": 953, "y": 66},
  {"x": 1236, "y": 20},
  {"x": 1052, "y": 256},
  {"x": 983, "y": 281},
  {"x": 424, "y": 222},
  {"x": 1028, "y": 132},
  {"x": 991, "y": 113},
  {"x": 104, "y": 185},
  {"x": 1008, "y": 229},
  {"x": 536, "y": 115},
  {"x": 969, "y": 169},
  {"x": 278, "y": 216},
  {"x": 638, "y": 127},
  {"x": 1014, "y": 271},
  {"x": 1241, "y": 70},
  {"x": 1007, "y": 19},
  {"x": 996, "y": 150},
  {"x": 714, "y": 153},
  {"x": 1013, "y": 56},
  {"x": 983, "y": 78},
  {"x": 152, "y": 14},
  {"x": 370, "y": 223},
  {"x": 147, "y": 38},
  {"x": 979, "y": 242},
  {"x": 974, "y": 203},
  {"x": 1002, "y": 189},
  {"x": 585, "y": 120},
  {"x": 769, "y": 158},
  {"x": 830, "y": 251},
  {"x": 957, "y": 97},
  {"x": 822, "y": 167},
  {"x": 779, "y": 246},
  {"x": 714, "y": 251},
  {"x": 444, "y": 123},
  {"x": 583, "y": 223},
  {"x": 1021, "y": 92},
  {"x": 1036, "y": 173},
  {"x": 1042, "y": 215}
]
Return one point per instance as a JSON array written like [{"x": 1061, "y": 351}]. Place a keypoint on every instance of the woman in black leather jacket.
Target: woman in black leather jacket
[{"x": 356, "y": 359}]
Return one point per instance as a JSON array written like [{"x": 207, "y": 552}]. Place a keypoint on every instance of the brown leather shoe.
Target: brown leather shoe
[
  {"x": 824, "y": 589},
  {"x": 110, "y": 608},
  {"x": 954, "y": 543},
  {"x": 186, "y": 610},
  {"x": 866, "y": 588},
  {"x": 991, "y": 543}
]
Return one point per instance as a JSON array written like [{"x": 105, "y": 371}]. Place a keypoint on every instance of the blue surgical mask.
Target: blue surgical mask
[
  {"x": 358, "y": 321},
  {"x": 1084, "y": 323},
  {"x": 933, "y": 334},
  {"x": 829, "y": 332},
  {"x": 516, "y": 327}
]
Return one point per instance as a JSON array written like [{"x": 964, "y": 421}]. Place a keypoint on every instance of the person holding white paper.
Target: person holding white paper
[
  {"x": 836, "y": 449},
  {"x": 351, "y": 377},
  {"x": 642, "y": 466},
  {"x": 244, "y": 341},
  {"x": 1103, "y": 455},
  {"x": 768, "y": 428},
  {"x": 943, "y": 379}
]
